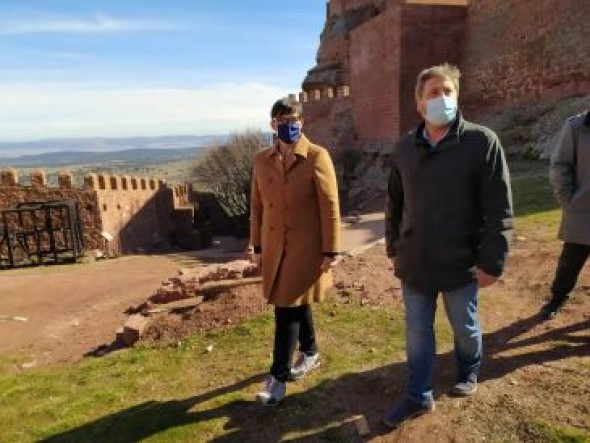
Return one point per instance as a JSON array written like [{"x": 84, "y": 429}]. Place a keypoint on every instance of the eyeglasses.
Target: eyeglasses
[{"x": 287, "y": 119}]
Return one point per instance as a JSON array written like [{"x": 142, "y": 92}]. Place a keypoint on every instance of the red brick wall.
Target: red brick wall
[
  {"x": 430, "y": 35},
  {"x": 374, "y": 74},
  {"x": 522, "y": 51}
]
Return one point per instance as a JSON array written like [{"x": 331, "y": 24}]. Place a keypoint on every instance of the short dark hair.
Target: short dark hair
[{"x": 286, "y": 106}]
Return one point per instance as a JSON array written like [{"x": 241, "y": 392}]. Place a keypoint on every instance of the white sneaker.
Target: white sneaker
[
  {"x": 303, "y": 365},
  {"x": 272, "y": 393}
]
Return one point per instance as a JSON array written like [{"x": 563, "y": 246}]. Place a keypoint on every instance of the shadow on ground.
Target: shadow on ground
[{"x": 332, "y": 401}]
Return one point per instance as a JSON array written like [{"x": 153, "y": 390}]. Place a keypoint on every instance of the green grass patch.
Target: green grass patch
[
  {"x": 183, "y": 392},
  {"x": 561, "y": 434},
  {"x": 536, "y": 210},
  {"x": 532, "y": 195}
]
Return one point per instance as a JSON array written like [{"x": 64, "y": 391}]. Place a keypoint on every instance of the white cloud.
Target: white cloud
[
  {"x": 32, "y": 111},
  {"x": 99, "y": 23}
]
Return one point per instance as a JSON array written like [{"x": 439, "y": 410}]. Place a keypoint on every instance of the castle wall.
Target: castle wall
[
  {"x": 137, "y": 211},
  {"x": 520, "y": 56},
  {"x": 379, "y": 57},
  {"x": 430, "y": 35},
  {"x": 519, "y": 52},
  {"x": 12, "y": 193},
  {"x": 375, "y": 52},
  {"x": 324, "y": 110}
]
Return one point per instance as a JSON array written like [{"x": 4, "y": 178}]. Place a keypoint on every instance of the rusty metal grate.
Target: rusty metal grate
[{"x": 39, "y": 233}]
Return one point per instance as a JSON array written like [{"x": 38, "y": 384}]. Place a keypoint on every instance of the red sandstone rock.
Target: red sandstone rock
[
  {"x": 133, "y": 328},
  {"x": 167, "y": 295}
]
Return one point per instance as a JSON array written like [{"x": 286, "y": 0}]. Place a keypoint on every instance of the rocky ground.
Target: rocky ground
[{"x": 536, "y": 373}]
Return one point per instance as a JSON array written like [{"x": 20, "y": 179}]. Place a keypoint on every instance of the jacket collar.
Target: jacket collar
[
  {"x": 452, "y": 138},
  {"x": 301, "y": 147}
]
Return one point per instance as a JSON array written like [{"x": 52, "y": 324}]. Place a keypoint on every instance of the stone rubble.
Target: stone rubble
[{"x": 191, "y": 283}]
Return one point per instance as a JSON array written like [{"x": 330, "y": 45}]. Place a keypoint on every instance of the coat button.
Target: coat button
[
  {"x": 271, "y": 205},
  {"x": 271, "y": 229}
]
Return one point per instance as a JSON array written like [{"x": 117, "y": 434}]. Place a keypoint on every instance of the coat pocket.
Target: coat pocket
[{"x": 455, "y": 252}]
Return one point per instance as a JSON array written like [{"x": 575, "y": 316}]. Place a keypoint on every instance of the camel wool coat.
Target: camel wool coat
[{"x": 294, "y": 221}]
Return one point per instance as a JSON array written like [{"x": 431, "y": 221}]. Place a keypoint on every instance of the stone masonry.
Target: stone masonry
[
  {"x": 138, "y": 212},
  {"x": 511, "y": 53}
]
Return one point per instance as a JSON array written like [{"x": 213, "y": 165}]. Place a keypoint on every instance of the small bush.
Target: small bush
[{"x": 226, "y": 171}]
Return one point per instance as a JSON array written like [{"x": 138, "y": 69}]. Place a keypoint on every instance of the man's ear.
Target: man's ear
[{"x": 273, "y": 125}]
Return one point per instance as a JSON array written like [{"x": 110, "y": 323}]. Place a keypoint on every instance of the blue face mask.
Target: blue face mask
[
  {"x": 289, "y": 132},
  {"x": 441, "y": 111}
]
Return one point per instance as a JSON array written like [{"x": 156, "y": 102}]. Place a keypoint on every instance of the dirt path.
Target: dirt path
[{"x": 72, "y": 309}]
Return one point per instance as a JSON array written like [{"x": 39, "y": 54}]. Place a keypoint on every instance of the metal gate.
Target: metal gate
[{"x": 38, "y": 233}]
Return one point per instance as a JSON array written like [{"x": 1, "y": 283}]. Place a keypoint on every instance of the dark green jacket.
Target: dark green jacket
[{"x": 449, "y": 209}]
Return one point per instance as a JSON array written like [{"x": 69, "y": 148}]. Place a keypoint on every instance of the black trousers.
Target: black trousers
[
  {"x": 572, "y": 259},
  {"x": 291, "y": 325}
]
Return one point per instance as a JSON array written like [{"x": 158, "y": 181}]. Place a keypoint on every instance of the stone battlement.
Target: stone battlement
[
  {"x": 325, "y": 93},
  {"x": 136, "y": 211},
  {"x": 98, "y": 182},
  {"x": 11, "y": 177}
]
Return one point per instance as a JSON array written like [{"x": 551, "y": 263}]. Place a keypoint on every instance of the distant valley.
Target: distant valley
[{"x": 85, "y": 151}]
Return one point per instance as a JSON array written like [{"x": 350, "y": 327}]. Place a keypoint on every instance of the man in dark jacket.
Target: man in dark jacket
[
  {"x": 448, "y": 226},
  {"x": 570, "y": 176}
]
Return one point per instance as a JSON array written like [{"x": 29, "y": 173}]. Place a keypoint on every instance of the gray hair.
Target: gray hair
[{"x": 445, "y": 70}]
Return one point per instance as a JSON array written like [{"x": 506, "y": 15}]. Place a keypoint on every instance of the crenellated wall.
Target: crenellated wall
[
  {"x": 12, "y": 192},
  {"x": 137, "y": 211},
  {"x": 326, "y": 104}
]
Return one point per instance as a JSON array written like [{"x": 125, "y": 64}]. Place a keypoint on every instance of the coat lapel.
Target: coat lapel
[{"x": 299, "y": 153}]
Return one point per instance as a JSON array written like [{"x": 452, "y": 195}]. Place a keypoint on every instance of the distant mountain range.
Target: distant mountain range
[{"x": 62, "y": 152}]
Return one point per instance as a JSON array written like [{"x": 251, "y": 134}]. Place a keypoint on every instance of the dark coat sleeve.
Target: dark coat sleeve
[
  {"x": 496, "y": 209},
  {"x": 393, "y": 209}
]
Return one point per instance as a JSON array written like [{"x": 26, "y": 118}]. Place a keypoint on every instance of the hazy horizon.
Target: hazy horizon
[{"x": 105, "y": 144}]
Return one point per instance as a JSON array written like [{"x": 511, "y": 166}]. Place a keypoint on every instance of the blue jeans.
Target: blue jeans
[{"x": 461, "y": 308}]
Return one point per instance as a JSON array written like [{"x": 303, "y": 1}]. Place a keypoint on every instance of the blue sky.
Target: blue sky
[{"x": 71, "y": 68}]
